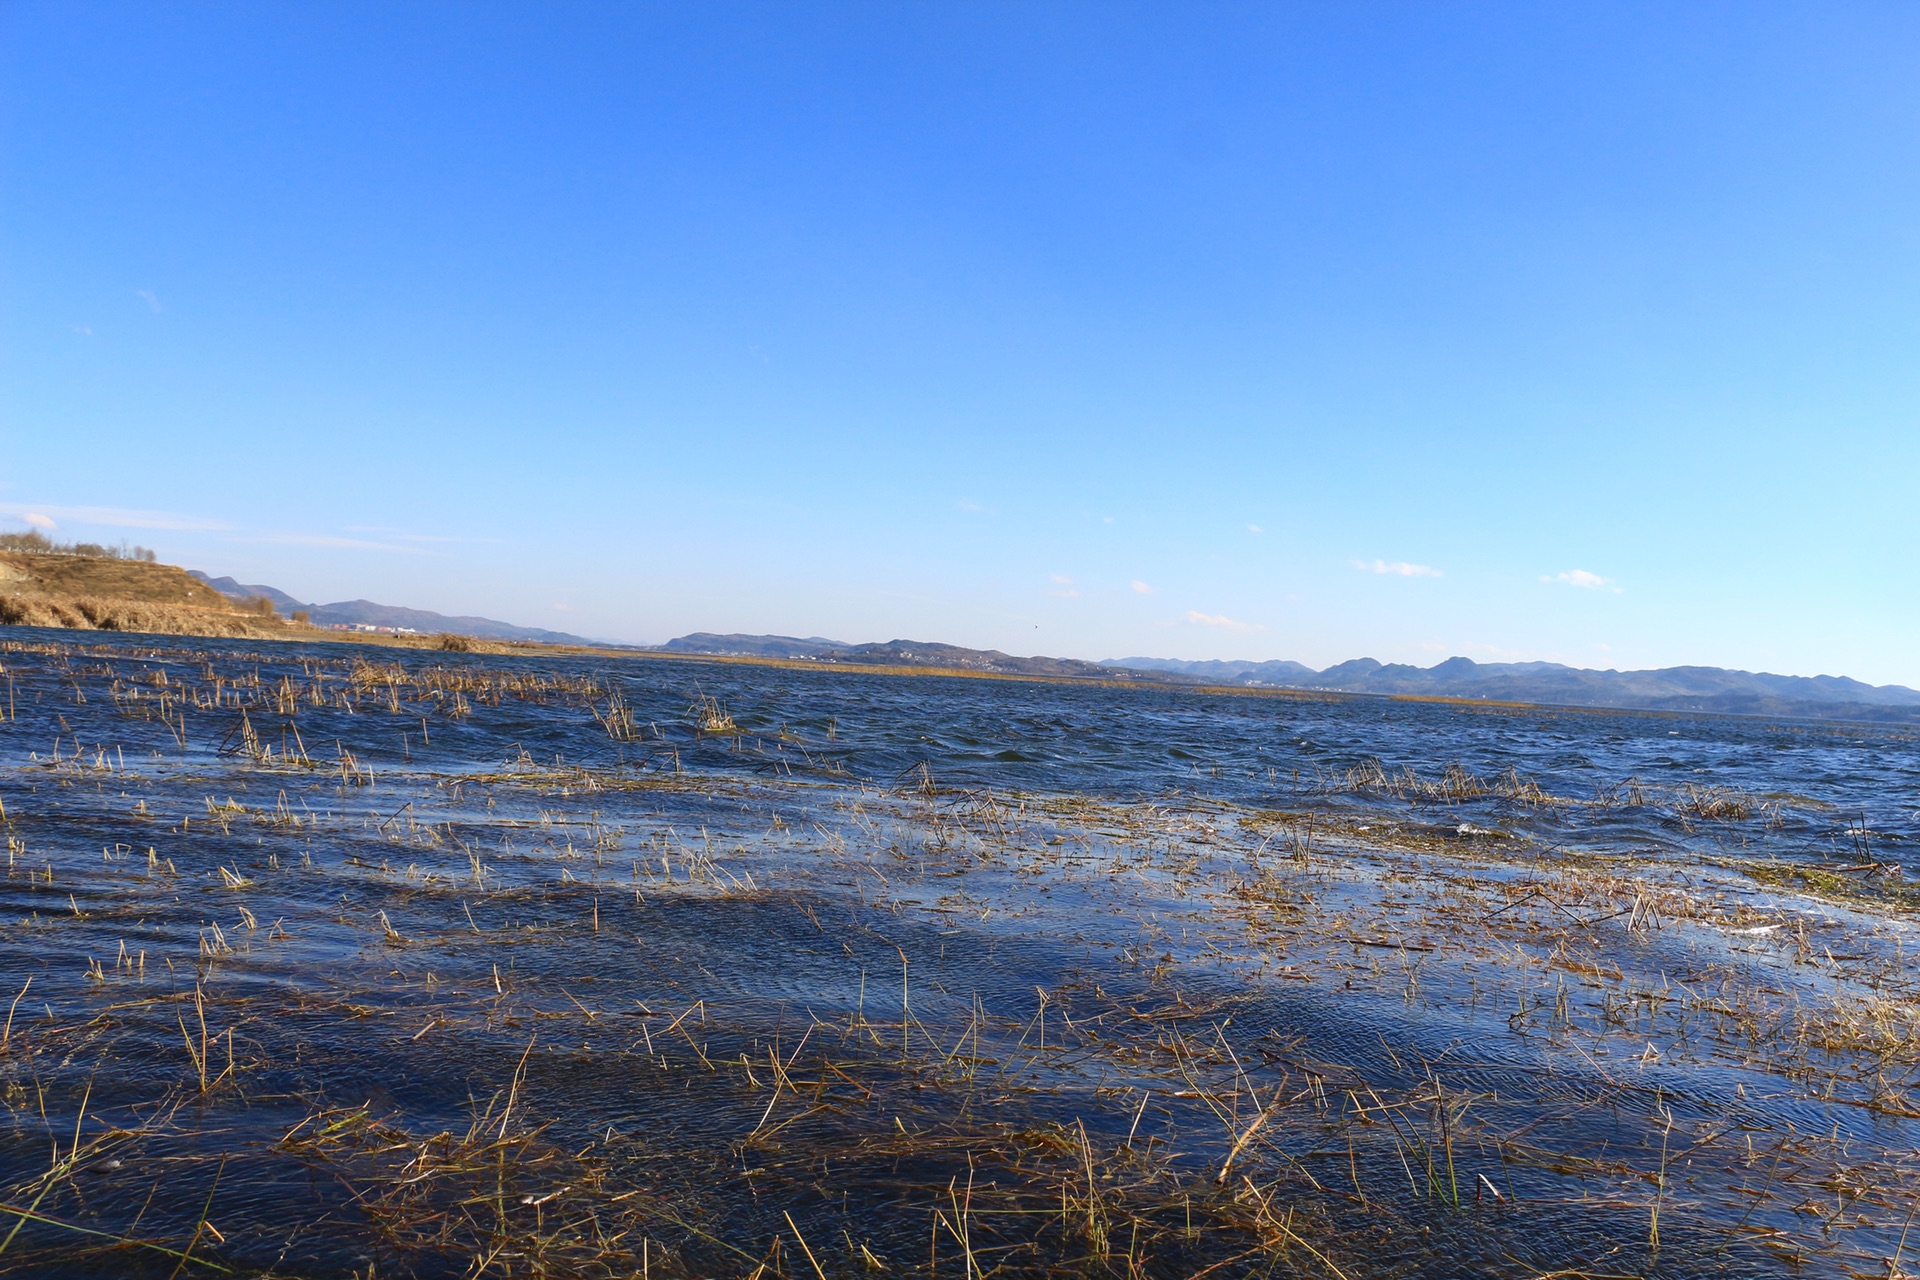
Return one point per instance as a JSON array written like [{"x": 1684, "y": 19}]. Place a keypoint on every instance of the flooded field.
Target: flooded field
[{"x": 326, "y": 962}]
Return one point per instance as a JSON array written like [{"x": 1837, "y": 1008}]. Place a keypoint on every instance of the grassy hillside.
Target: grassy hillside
[
  {"x": 112, "y": 592},
  {"x": 106, "y": 594}
]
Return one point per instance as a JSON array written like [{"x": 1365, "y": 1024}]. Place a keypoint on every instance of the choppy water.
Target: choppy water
[{"x": 308, "y": 928}]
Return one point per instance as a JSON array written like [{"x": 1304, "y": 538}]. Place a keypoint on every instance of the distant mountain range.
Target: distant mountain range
[
  {"x": 892, "y": 653},
  {"x": 1707, "y": 689},
  {"x": 1710, "y": 689},
  {"x": 1665, "y": 689},
  {"x": 353, "y": 613}
]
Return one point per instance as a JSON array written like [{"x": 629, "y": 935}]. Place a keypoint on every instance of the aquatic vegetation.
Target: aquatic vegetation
[{"x": 324, "y": 961}]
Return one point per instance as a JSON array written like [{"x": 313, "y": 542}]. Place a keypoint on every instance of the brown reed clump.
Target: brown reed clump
[
  {"x": 1718, "y": 804},
  {"x": 85, "y": 613}
]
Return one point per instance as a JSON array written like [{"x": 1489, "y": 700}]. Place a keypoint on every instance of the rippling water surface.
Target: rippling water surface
[{"x": 328, "y": 960}]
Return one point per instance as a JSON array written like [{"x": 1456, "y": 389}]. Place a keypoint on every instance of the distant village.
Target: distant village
[{"x": 367, "y": 626}]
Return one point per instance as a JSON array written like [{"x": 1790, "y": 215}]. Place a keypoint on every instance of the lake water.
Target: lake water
[{"x": 330, "y": 960}]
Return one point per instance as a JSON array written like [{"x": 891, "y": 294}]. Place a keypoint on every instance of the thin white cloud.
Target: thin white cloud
[
  {"x": 1254, "y": 528},
  {"x": 971, "y": 507},
  {"x": 85, "y": 331},
  {"x": 118, "y": 517},
  {"x": 1063, "y": 588},
  {"x": 147, "y": 296},
  {"x": 1220, "y": 621},
  {"x": 1398, "y": 568},
  {"x": 49, "y": 518},
  {"x": 1582, "y": 579},
  {"x": 1143, "y": 588}
]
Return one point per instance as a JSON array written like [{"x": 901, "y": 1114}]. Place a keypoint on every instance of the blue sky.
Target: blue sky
[{"x": 1585, "y": 333}]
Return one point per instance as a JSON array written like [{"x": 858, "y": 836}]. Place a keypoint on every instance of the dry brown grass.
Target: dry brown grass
[
  {"x": 85, "y": 593},
  {"x": 94, "y": 613},
  {"x": 1154, "y": 1116},
  {"x": 105, "y": 579}
]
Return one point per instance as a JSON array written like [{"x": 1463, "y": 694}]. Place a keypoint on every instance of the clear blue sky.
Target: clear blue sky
[{"x": 1581, "y": 332}]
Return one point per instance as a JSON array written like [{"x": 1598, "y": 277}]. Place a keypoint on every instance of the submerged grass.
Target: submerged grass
[{"x": 342, "y": 966}]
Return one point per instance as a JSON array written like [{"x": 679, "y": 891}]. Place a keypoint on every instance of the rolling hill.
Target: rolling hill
[{"x": 353, "y": 613}]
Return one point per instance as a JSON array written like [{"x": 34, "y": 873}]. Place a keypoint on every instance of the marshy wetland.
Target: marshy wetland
[{"x": 322, "y": 961}]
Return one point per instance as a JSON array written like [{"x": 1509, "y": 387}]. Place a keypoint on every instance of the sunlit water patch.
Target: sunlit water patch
[{"x": 324, "y": 961}]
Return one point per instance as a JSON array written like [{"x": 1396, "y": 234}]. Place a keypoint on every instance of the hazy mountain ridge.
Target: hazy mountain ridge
[
  {"x": 1215, "y": 671},
  {"x": 1690, "y": 688},
  {"x": 242, "y": 592},
  {"x": 708, "y": 644},
  {"x": 366, "y": 613},
  {"x": 895, "y": 653},
  {"x": 1709, "y": 689}
]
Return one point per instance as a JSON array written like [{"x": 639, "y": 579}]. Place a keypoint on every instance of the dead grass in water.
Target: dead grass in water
[{"x": 789, "y": 1046}]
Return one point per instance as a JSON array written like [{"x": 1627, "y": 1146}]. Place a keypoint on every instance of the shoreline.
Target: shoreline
[{"x": 480, "y": 646}]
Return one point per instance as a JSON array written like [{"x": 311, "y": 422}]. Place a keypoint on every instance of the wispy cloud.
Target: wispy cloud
[
  {"x": 42, "y": 516},
  {"x": 117, "y": 517},
  {"x": 1398, "y": 568},
  {"x": 1254, "y": 528},
  {"x": 1221, "y": 622},
  {"x": 85, "y": 331},
  {"x": 971, "y": 507},
  {"x": 1145, "y": 589},
  {"x": 147, "y": 296},
  {"x": 1063, "y": 588},
  {"x": 1582, "y": 579}
]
